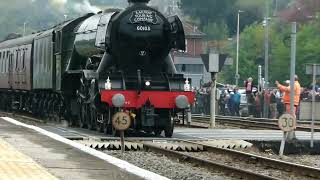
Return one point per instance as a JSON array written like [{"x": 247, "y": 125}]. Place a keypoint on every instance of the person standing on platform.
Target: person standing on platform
[
  {"x": 236, "y": 102},
  {"x": 222, "y": 103},
  {"x": 273, "y": 104},
  {"x": 249, "y": 85},
  {"x": 231, "y": 104},
  {"x": 286, "y": 96}
]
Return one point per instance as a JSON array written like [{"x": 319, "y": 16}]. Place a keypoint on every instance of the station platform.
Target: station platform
[
  {"x": 29, "y": 152},
  {"x": 242, "y": 134},
  {"x": 15, "y": 165}
]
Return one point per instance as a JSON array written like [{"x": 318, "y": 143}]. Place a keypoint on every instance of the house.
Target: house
[{"x": 189, "y": 62}]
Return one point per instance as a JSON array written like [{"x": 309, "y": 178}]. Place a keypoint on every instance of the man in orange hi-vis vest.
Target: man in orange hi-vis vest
[{"x": 286, "y": 96}]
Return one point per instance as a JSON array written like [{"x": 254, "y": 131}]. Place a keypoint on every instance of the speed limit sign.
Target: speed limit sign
[
  {"x": 287, "y": 122},
  {"x": 121, "y": 121}
]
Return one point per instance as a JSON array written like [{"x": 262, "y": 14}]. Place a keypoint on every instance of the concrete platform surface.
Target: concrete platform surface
[
  {"x": 62, "y": 160},
  {"x": 243, "y": 134},
  {"x": 15, "y": 165}
]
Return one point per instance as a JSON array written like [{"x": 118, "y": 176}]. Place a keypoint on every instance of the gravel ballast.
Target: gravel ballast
[{"x": 169, "y": 168}]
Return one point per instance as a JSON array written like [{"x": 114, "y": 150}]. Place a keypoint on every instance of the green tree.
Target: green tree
[
  {"x": 251, "y": 52},
  {"x": 218, "y": 31}
]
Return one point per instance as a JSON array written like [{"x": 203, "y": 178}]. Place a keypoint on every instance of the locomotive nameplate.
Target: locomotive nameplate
[
  {"x": 287, "y": 122},
  {"x": 143, "y": 16},
  {"x": 121, "y": 121}
]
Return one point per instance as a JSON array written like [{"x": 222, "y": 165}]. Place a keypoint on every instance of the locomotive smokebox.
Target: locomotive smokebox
[{"x": 139, "y": 38}]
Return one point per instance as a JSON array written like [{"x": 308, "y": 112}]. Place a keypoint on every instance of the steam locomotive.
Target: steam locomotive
[{"x": 90, "y": 68}]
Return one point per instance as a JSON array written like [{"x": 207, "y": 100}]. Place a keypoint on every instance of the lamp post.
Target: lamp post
[
  {"x": 266, "y": 63},
  {"x": 237, "y": 58}
]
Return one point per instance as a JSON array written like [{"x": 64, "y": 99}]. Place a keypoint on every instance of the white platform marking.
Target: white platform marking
[{"x": 110, "y": 159}]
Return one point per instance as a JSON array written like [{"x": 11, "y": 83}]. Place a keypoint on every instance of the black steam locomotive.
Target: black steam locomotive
[{"x": 90, "y": 68}]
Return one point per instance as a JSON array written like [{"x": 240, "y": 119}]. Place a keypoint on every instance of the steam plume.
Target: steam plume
[{"x": 85, "y": 6}]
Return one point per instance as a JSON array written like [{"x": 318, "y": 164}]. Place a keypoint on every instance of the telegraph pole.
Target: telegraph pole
[
  {"x": 266, "y": 59},
  {"x": 237, "y": 76},
  {"x": 292, "y": 134},
  {"x": 213, "y": 101}
]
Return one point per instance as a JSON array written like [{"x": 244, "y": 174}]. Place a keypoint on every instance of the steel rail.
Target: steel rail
[
  {"x": 248, "y": 122},
  {"x": 274, "y": 163},
  {"x": 240, "y": 173},
  {"x": 207, "y": 117}
]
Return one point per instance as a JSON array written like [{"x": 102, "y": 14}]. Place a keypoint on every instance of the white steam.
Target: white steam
[
  {"x": 85, "y": 6},
  {"x": 73, "y": 5},
  {"x": 58, "y": 2}
]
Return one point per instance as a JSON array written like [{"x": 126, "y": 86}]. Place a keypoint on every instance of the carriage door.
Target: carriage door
[{"x": 11, "y": 70}]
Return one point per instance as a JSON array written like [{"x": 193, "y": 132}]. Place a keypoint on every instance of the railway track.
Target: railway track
[
  {"x": 232, "y": 163},
  {"x": 247, "y": 122},
  {"x": 209, "y": 164},
  {"x": 268, "y": 163}
]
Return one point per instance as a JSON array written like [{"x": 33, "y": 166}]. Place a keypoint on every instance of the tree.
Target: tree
[
  {"x": 217, "y": 31},
  {"x": 207, "y": 10},
  {"x": 251, "y": 52},
  {"x": 224, "y": 12}
]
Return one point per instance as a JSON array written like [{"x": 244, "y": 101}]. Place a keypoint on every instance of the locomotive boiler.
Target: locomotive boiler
[{"x": 89, "y": 68}]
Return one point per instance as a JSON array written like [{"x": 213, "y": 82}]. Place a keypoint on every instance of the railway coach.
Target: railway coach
[{"x": 90, "y": 68}]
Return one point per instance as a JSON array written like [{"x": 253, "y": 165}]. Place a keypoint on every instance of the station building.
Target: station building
[{"x": 189, "y": 62}]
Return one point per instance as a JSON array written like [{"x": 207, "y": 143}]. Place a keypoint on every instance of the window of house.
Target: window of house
[{"x": 190, "y": 68}]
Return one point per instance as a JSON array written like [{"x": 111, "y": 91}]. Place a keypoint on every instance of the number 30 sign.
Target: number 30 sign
[
  {"x": 121, "y": 121},
  {"x": 287, "y": 122}
]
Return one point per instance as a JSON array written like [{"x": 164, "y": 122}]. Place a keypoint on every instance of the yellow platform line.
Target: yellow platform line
[{"x": 16, "y": 166}]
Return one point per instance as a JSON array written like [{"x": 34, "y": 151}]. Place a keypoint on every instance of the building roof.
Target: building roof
[{"x": 191, "y": 30}]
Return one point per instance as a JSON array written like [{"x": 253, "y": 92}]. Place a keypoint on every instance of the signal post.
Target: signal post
[{"x": 213, "y": 64}]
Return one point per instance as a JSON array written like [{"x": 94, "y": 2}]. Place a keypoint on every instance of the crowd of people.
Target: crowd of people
[{"x": 277, "y": 99}]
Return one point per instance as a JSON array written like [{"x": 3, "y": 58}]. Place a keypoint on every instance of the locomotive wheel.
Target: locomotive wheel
[
  {"x": 157, "y": 132},
  {"x": 115, "y": 132},
  {"x": 100, "y": 122},
  {"x": 168, "y": 131},
  {"x": 83, "y": 116},
  {"x": 92, "y": 124}
]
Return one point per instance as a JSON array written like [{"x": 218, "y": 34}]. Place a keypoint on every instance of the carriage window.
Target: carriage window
[
  {"x": 11, "y": 63},
  {"x": 1, "y": 67},
  {"x": 3, "y": 61},
  {"x": 23, "y": 59},
  {"x": 17, "y": 60},
  {"x": 7, "y": 61}
]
